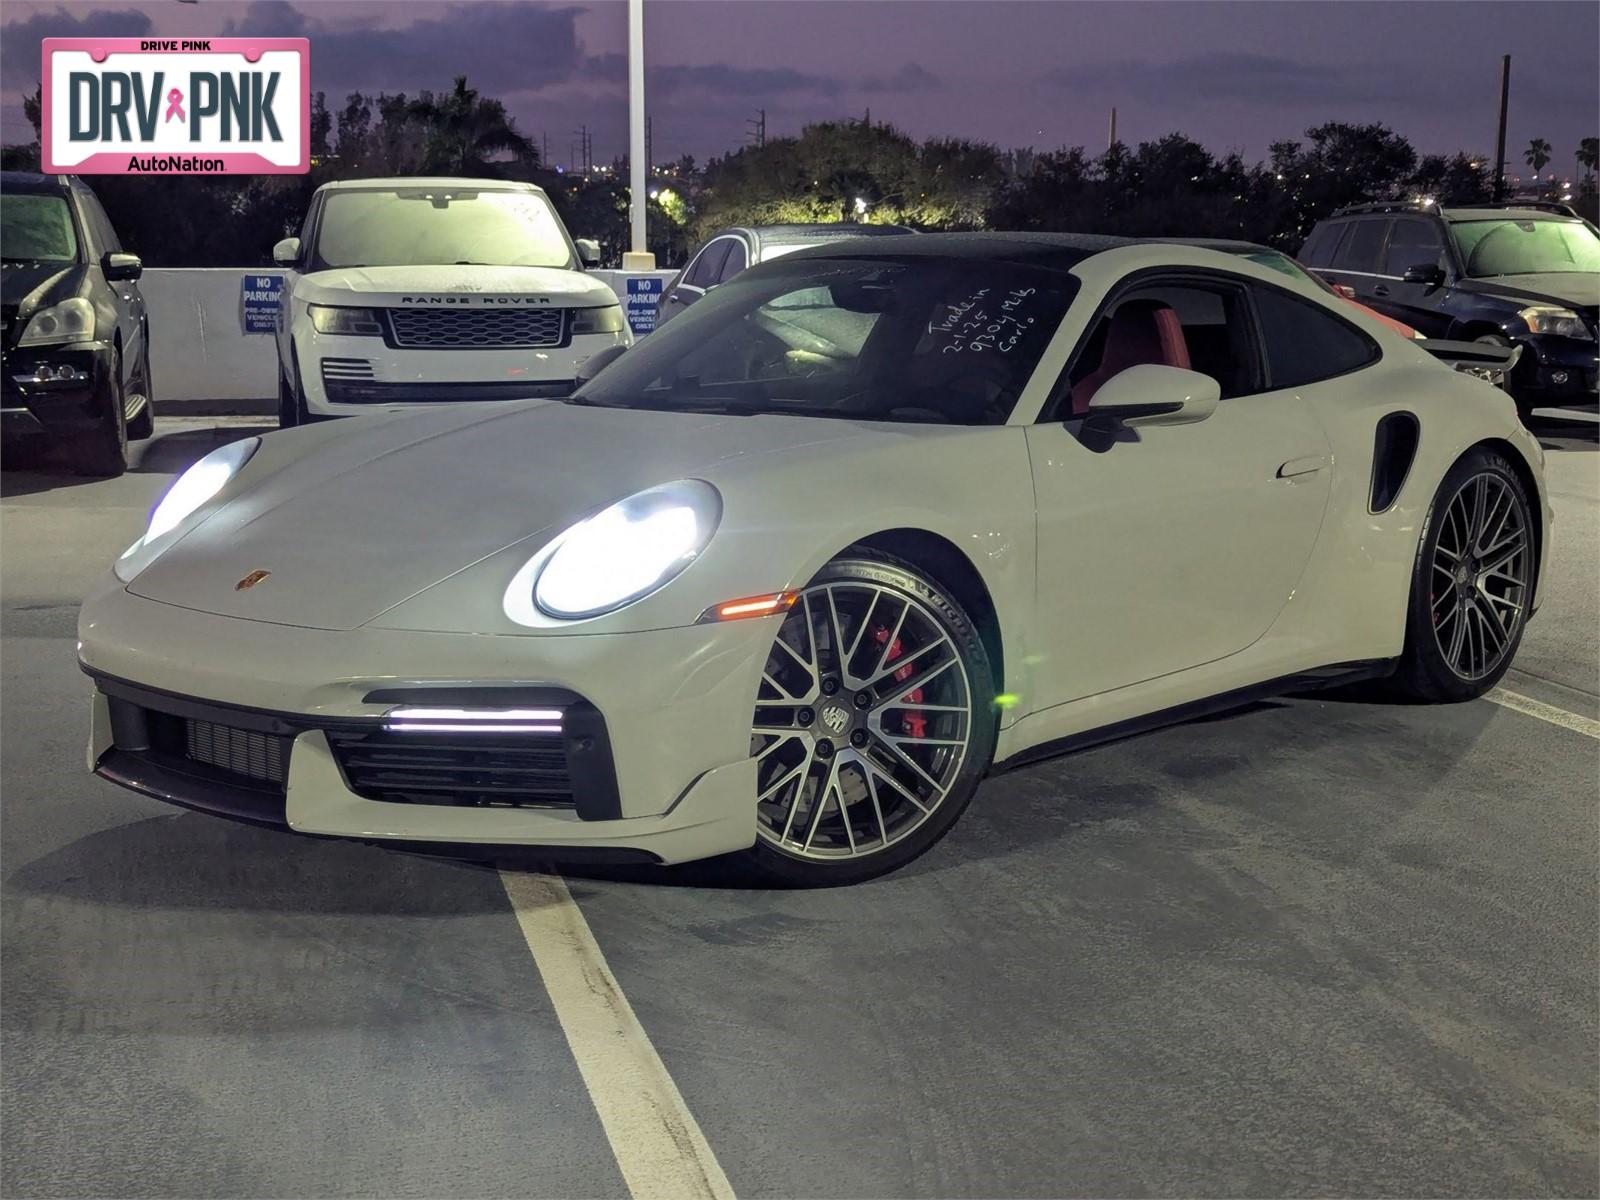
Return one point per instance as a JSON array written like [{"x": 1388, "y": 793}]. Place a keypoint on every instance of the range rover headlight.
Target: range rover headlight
[
  {"x": 1555, "y": 320},
  {"x": 349, "y": 322},
  {"x": 627, "y": 551},
  {"x": 70, "y": 321},
  {"x": 188, "y": 492},
  {"x": 605, "y": 319}
]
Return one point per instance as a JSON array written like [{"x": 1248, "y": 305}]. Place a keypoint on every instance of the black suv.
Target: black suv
[
  {"x": 1527, "y": 275},
  {"x": 74, "y": 337}
]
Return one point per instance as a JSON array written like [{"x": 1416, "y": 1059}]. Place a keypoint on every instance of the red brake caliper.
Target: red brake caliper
[{"x": 913, "y": 724}]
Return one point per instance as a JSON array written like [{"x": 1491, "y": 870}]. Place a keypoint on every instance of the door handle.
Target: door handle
[
  {"x": 1303, "y": 466},
  {"x": 1381, "y": 290}
]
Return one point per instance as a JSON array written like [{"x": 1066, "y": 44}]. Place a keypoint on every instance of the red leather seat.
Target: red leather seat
[{"x": 1141, "y": 331}]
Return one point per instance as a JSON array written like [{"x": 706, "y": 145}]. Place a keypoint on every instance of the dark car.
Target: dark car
[
  {"x": 728, "y": 251},
  {"x": 1525, "y": 276},
  {"x": 74, "y": 336}
]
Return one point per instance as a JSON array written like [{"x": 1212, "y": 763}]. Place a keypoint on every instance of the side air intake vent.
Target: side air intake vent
[{"x": 1393, "y": 448}]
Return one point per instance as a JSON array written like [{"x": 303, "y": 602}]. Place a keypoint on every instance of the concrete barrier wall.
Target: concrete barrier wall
[
  {"x": 200, "y": 353},
  {"x": 198, "y": 348}
]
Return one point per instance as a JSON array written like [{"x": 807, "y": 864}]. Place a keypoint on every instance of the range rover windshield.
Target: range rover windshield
[
  {"x": 946, "y": 341},
  {"x": 1526, "y": 247},
  {"x": 427, "y": 226}
]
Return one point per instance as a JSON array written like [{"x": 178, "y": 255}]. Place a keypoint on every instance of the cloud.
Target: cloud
[
  {"x": 912, "y": 77},
  {"x": 506, "y": 47},
  {"x": 19, "y": 49}
]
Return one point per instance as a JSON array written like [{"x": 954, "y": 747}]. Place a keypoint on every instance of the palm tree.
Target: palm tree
[
  {"x": 1537, "y": 155},
  {"x": 1588, "y": 154},
  {"x": 465, "y": 132}
]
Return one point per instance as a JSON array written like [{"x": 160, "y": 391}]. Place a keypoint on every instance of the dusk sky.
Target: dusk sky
[{"x": 1231, "y": 75}]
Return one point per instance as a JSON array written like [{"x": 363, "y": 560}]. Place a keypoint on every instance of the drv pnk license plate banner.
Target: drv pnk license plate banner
[{"x": 176, "y": 106}]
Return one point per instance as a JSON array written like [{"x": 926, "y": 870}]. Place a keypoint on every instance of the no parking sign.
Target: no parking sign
[
  {"x": 644, "y": 298},
  {"x": 260, "y": 296}
]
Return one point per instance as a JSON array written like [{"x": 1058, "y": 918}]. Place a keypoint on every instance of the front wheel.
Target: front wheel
[
  {"x": 103, "y": 450},
  {"x": 1471, "y": 584},
  {"x": 874, "y": 724}
]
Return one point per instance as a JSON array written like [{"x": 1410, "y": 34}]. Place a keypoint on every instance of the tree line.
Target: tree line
[{"x": 832, "y": 171}]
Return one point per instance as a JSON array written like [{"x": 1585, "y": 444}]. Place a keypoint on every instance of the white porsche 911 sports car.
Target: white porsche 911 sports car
[{"x": 793, "y": 575}]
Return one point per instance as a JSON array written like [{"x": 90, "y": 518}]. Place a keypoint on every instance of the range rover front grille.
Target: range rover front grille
[{"x": 477, "y": 328}]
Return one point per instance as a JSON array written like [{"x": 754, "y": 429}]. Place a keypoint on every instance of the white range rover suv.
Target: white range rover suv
[{"x": 405, "y": 292}]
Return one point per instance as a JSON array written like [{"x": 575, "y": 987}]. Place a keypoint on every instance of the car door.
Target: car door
[
  {"x": 1358, "y": 260},
  {"x": 1174, "y": 546},
  {"x": 1415, "y": 242},
  {"x": 701, "y": 275}
]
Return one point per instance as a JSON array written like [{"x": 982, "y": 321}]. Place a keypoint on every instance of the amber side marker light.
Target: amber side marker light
[{"x": 750, "y": 606}]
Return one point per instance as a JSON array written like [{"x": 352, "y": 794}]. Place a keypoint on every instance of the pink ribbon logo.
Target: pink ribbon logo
[{"x": 175, "y": 105}]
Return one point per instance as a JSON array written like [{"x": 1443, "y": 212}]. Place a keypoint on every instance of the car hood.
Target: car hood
[
  {"x": 1581, "y": 288},
  {"x": 366, "y": 519},
  {"x": 453, "y": 287},
  {"x": 26, "y": 286}
]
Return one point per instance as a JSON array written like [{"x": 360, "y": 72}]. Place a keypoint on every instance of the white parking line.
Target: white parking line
[
  {"x": 658, "y": 1146},
  {"x": 1545, "y": 712}
]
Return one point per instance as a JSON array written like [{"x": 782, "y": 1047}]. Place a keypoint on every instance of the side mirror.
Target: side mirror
[
  {"x": 588, "y": 251},
  {"x": 1149, "y": 394},
  {"x": 121, "y": 268},
  {"x": 287, "y": 252},
  {"x": 598, "y": 362},
  {"x": 1431, "y": 274},
  {"x": 1345, "y": 290}
]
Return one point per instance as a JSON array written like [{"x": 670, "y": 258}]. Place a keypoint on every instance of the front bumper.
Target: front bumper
[
  {"x": 674, "y": 705},
  {"x": 55, "y": 407},
  {"x": 1557, "y": 371},
  {"x": 350, "y": 376}
]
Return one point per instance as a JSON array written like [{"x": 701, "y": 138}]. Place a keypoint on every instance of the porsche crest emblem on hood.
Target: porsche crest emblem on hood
[{"x": 250, "y": 580}]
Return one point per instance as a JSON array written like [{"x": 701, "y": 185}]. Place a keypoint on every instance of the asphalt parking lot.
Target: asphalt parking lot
[{"x": 1319, "y": 946}]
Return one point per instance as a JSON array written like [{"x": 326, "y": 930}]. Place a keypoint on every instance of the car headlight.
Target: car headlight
[
  {"x": 354, "y": 322},
  {"x": 70, "y": 321},
  {"x": 188, "y": 492},
  {"x": 607, "y": 319},
  {"x": 627, "y": 551},
  {"x": 1552, "y": 319}
]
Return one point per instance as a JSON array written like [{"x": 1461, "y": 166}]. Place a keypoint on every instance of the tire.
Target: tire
[
  {"x": 893, "y": 777},
  {"x": 292, "y": 409},
  {"x": 1472, "y": 583},
  {"x": 103, "y": 450},
  {"x": 143, "y": 423}
]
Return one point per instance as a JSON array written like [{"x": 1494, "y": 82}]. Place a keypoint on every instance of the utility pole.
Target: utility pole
[
  {"x": 1111, "y": 138},
  {"x": 638, "y": 258},
  {"x": 1500, "y": 136},
  {"x": 756, "y": 130},
  {"x": 585, "y": 147}
]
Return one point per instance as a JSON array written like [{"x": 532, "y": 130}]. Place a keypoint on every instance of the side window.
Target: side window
[
  {"x": 1196, "y": 326},
  {"x": 1324, "y": 240},
  {"x": 735, "y": 262},
  {"x": 1361, "y": 250},
  {"x": 1413, "y": 242},
  {"x": 707, "y": 268},
  {"x": 1306, "y": 343}
]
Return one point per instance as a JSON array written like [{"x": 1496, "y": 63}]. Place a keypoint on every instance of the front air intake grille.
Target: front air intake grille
[
  {"x": 466, "y": 770},
  {"x": 477, "y": 328},
  {"x": 262, "y": 756},
  {"x": 346, "y": 370}
]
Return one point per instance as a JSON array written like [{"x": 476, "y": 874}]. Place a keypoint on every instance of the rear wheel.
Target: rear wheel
[
  {"x": 103, "y": 450},
  {"x": 1472, "y": 582},
  {"x": 874, "y": 724}
]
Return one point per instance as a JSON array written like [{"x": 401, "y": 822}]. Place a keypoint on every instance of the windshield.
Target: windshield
[
  {"x": 417, "y": 227},
  {"x": 924, "y": 339},
  {"x": 1526, "y": 247},
  {"x": 36, "y": 229}
]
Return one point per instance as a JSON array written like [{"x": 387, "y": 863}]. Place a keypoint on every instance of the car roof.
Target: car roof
[
  {"x": 1225, "y": 245},
  {"x": 800, "y": 235},
  {"x": 1059, "y": 250},
  {"x": 386, "y": 182},
  {"x": 33, "y": 183}
]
